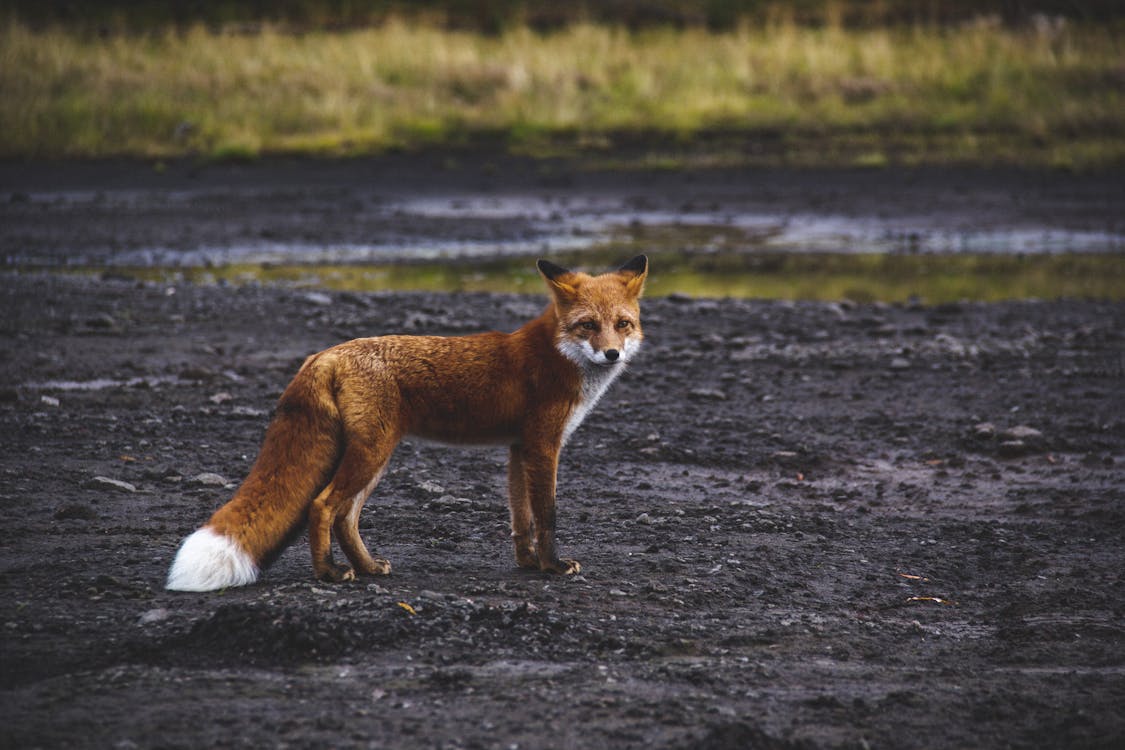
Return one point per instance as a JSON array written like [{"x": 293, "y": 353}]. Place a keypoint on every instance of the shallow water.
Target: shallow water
[{"x": 710, "y": 240}]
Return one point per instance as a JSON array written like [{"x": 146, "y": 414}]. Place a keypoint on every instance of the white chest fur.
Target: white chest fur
[{"x": 595, "y": 382}]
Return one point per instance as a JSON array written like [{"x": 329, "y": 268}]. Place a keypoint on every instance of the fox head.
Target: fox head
[{"x": 599, "y": 316}]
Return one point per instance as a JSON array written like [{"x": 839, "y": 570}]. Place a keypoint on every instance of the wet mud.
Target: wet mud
[{"x": 800, "y": 525}]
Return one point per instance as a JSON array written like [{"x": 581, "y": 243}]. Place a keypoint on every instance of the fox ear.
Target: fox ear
[
  {"x": 555, "y": 276},
  {"x": 636, "y": 271}
]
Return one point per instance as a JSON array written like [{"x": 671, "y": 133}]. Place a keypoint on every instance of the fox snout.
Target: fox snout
[{"x": 608, "y": 356}]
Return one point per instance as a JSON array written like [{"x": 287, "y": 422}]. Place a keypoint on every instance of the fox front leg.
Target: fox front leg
[
  {"x": 520, "y": 506},
  {"x": 540, "y": 470}
]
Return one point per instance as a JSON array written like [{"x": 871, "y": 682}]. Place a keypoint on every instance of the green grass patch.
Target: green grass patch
[
  {"x": 778, "y": 93},
  {"x": 931, "y": 279}
]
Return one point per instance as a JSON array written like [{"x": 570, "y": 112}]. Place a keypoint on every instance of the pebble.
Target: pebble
[
  {"x": 431, "y": 487},
  {"x": 786, "y": 458},
  {"x": 1020, "y": 440},
  {"x": 984, "y": 430},
  {"x": 900, "y": 363},
  {"x": 209, "y": 479},
  {"x": 317, "y": 298},
  {"x": 107, "y": 483},
  {"x": 248, "y": 411},
  {"x": 449, "y": 503},
  {"x": 49, "y": 401},
  {"x": 152, "y": 616},
  {"x": 1022, "y": 432}
]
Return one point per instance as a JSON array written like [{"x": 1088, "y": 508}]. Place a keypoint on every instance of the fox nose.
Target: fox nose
[{"x": 611, "y": 355}]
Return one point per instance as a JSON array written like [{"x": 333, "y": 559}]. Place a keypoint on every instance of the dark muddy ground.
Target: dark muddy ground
[
  {"x": 800, "y": 525},
  {"x": 125, "y": 213}
]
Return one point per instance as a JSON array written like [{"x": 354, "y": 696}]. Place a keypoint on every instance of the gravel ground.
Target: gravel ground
[{"x": 800, "y": 525}]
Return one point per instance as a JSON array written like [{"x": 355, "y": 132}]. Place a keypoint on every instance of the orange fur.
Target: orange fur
[{"x": 348, "y": 407}]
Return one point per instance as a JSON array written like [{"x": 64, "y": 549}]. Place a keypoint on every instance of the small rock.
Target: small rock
[
  {"x": 107, "y": 483},
  {"x": 984, "y": 430},
  {"x": 786, "y": 458},
  {"x": 900, "y": 363},
  {"x": 449, "y": 504},
  {"x": 248, "y": 411},
  {"x": 1022, "y": 432},
  {"x": 49, "y": 401},
  {"x": 431, "y": 487},
  {"x": 208, "y": 479},
  {"x": 220, "y": 398},
  {"x": 317, "y": 298},
  {"x": 153, "y": 615},
  {"x": 645, "y": 518}
]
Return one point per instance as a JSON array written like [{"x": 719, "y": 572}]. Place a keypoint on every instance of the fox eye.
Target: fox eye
[
  {"x": 588, "y": 325},
  {"x": 623, "y": 324}
]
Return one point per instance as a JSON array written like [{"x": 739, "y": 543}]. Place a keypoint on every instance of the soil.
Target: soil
[{"x": 800, "y": 526}]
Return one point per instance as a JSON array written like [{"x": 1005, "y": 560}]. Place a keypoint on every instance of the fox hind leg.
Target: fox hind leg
[
  {"x": 337, "y": 508},
  {"x": 347, "y": 534}
]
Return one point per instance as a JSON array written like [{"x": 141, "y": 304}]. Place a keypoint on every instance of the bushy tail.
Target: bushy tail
[
  {"x": 297, "y": 460},
  {"x": 208, "y": 561}
]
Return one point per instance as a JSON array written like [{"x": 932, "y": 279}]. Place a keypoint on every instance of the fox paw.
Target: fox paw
[
  {"x": 336, "y": 573},
  {"x": 527, "y": 559},
  {"x": 380, "y": 566},
  {"x": 562, "y": 567}
]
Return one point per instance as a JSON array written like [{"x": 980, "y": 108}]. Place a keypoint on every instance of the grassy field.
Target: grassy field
[{"x": 1047, "y": 95}]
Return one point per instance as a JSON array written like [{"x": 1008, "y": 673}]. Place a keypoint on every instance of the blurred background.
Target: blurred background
[
  {"x": 807, "y": 82},
  {"x": 629, "y": 87}
]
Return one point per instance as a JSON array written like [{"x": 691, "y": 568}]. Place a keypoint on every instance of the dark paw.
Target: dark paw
[
  {"x": 527, "y": 559},
  {"x": 562, "y": 567},
  {"x": 336, "y": 573},
  {"x": 380, "y": 566}
]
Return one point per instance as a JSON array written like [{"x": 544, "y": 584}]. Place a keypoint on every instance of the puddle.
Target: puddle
[
  {"x": 586, "y": 223},
  {"x": 708, "y": 249}
]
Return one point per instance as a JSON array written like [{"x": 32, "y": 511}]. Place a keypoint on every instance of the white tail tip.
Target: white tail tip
[{"x": 208, "y": 561}]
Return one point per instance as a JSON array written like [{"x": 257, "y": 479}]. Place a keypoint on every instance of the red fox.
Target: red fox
[{"x": 341, "y": 417}]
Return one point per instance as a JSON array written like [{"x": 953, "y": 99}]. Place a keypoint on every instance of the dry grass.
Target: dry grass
[{"x": 979, "y": 93}]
